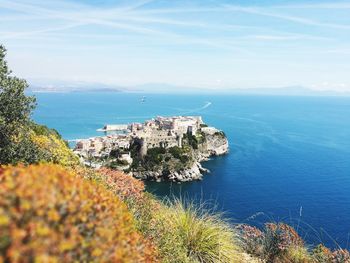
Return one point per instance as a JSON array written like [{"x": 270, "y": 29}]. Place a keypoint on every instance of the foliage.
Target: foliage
[
  {"x": 322, "y": 254},
  {"x": 201, "y": 137},
  {"x": 279, "y": 238},
  {"x": 44, "y": 130},
  {"x": 124, "y": 186},
  {"x": 180, "y": 153},
  {"x": 296, "y": 254},
  {"x": 144, "y": 207},
  {"x": 15, "y": 111},
  {"x": 341, "y": 256},
  {"x": 51, "y": 148},
  {"x": 278, "y": 242},
  {"x": 252, "y": 239},
  {"x": 48, "y": 214},
  {"x": 163, "y": 159},
  {"x": 154, "y": 156},
  {"x": 204, "y": 236},
  {"x": 184, "y": 232},
  {"x": 181, "y": 232},
  {"x": 176, "y": 152},
  {"x": 21, "y": 140},
  {"x": 191, "y": 140},
  {"x": 220, "y": 134},
  {"x": 115, "y": 153},
  {"x": 117, "y": 164}
]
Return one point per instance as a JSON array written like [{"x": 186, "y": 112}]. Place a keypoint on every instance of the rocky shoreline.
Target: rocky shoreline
[{"x": 160, "y": 149}]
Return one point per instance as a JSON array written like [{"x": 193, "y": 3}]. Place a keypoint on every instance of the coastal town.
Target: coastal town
[{"x": 135, "y": 140}]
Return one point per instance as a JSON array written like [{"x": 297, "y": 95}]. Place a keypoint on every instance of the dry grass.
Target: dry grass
[
  {"x": 205, "y": 236},
  {"x": 182, "y": 231}
]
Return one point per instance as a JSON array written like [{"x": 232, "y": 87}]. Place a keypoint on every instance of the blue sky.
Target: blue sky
[{"x": 211, "y": 44}]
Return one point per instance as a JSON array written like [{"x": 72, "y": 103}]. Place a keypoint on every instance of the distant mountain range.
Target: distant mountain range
[
  {"x": 290, "y": 91},
  {"x": 167, "y": 88},
  {"x": 76, "y": 87}
]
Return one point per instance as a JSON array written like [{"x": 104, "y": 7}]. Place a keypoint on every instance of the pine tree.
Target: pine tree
[{"x": 15, "y": 112}]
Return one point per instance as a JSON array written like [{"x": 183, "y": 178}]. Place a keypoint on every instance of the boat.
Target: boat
[{"x": 113, "y": 127}]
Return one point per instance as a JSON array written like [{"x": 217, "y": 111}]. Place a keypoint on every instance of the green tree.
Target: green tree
[{"x": 15, "y": 111}]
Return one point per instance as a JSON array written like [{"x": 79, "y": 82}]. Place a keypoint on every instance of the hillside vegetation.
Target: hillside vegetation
[
  {"x": 48, "y": 214},
  {"x": 186, "y": 232},
  {"x": 53, "y": 214},
  {"x": 52, "y": 209},
  {"x": 22, "y": 140}
]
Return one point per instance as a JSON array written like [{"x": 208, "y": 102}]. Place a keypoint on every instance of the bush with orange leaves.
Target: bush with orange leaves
[
  {"x": 141, "y": 204},
  {"x": 123, "y": 185},
  {"x": 48, "y": 214}
]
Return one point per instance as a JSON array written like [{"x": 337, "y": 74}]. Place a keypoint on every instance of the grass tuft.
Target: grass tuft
[{"x": 205, "y": 236}]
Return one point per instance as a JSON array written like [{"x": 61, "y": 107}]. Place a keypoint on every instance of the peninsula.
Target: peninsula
[{"x": 164, "y": 148}]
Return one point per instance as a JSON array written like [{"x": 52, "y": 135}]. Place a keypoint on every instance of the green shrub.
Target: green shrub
[
  {"x": 21, "y": 140},
  {"x": 176, "y": 152},
  {"x": 220, "y": 134},
  {"x": 15, "y": 111},
  {"x": 321, "y": 254},
  {"x": 153, "y": 157},
  {"x": 192, "y": 140},
  {"x": 297, "y": 254},
  {"x": 156, "y": 151}
]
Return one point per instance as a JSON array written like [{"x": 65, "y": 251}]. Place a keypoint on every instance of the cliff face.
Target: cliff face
[
  {"x": 191, "y": 173},
  {"x": 216, "y": 143}
]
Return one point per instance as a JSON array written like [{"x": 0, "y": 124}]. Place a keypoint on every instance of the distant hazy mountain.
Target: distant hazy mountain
[
  {"x": 289, "y": 91},
  {"x": 73, "y": 87},
  {"x": 168, "y": 88},
  {"x": 281, "y": 91}
]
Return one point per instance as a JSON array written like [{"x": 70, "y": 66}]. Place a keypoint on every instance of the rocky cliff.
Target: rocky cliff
[
  {"x": 216, "y": 143},
  {"x": 182, "y": 164}
]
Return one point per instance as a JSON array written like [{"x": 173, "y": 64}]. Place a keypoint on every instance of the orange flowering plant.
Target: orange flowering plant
[{"x": 48, "y": 214}]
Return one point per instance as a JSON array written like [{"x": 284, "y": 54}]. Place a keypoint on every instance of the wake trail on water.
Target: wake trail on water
[
  {"x": 205, "y": 106},
  {"x": 184, "y": 111}
]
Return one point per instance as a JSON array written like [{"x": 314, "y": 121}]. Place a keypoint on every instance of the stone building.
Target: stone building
[
  {"x": 83, "y": 145},
  {"x": 158, "y": 138}
]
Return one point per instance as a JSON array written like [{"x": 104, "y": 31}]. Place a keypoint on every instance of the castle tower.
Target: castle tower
[{"x": 179, "y": 140}]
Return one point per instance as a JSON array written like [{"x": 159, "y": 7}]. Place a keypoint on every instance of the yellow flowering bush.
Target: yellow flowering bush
[
  {"x": 48, "y": 214},
  {"x": 54, "y": 149}
]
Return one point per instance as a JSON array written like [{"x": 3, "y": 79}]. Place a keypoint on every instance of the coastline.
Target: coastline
[{"x": 161, "y": 149}]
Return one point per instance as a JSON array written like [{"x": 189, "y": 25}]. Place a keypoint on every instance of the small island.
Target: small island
[{"x": 161, "y": 149}]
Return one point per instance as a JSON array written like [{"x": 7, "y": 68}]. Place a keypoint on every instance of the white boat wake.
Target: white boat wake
[{"x": 205, "y": 106}]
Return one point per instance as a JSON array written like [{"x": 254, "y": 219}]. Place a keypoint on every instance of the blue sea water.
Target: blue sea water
[{"x": 289, "y": 157}]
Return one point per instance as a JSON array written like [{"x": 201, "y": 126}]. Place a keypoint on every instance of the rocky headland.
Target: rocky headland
[
  {"x": 162, "y": 149},
  {"x": 183, "y": 164}
]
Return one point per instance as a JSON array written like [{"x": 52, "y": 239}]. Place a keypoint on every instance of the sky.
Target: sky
[{"x": 196, "y": 43}]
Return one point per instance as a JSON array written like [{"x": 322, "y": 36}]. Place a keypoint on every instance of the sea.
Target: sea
[{"x": 289, "y": 157}]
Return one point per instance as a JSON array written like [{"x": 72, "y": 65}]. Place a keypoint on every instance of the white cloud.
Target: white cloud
[{"x": 151, "y": 43}]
